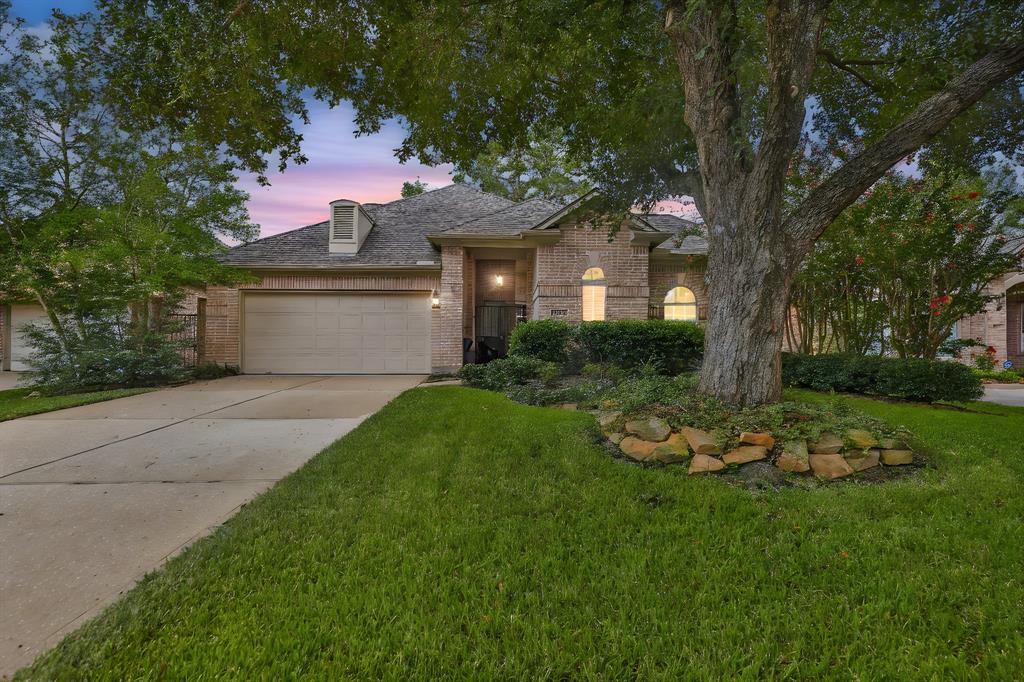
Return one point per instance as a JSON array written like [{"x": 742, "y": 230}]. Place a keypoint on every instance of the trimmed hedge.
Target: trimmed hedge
[
  {"x": 908, "y": 379},
  {"x": 671, "y": 346},
  {"x": 546, "y": 340}
]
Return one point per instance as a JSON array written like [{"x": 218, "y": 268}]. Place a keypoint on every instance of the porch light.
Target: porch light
[
  {"x": 499, "y": 280},
  {"x": 435, "y": 300}
]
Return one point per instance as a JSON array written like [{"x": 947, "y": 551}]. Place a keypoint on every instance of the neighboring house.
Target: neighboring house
[{"x": 1001, "y": 324}]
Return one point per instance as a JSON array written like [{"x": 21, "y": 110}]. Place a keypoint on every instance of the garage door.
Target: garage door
[
  {"x": 22, "y": 315},
  {"x": 336, "y": 333}
]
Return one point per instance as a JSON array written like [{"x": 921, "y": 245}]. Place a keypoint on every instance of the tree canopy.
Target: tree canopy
[
  {"x": 708, "y": 98},
  {"x": 98, "y": 216}
]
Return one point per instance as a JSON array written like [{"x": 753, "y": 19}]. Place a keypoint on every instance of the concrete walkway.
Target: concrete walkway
[
  {"x": 1005, "y": 394},
  {"x": 94, "y": 497}
]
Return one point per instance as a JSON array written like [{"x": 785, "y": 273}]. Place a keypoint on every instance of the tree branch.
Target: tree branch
[
  {"x": 846, "y": 66},
  {"x": 842, "y": 188},
  {"x": 793, "y": 32},
  {"x": 705, "y": 59}
]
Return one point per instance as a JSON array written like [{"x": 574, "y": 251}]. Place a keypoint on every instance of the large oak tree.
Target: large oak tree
[{"x": 706, "y": 98}]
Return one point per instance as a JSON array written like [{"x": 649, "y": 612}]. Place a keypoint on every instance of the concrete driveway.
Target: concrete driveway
[
  {"x": 94, "y": 497},
  {"x": 1005, "y": 394}
]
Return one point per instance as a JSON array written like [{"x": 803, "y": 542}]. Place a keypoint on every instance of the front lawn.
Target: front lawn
[
  {"x": 16, "y": 402},
  {"x": 456, "y": 534}
]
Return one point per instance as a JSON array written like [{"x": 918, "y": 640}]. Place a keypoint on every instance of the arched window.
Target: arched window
[
  {"x": 593, "y": 294},
  {"x": 680, "y": 304}
]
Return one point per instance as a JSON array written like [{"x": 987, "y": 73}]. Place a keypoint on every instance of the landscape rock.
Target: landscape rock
[
  {"x": 567, "y": 406},
  {"x": 859, "y": 461},
  {"x": 828, "y": 444},
  {"x": 703, "y": 464},
  {"x": 830, "y": 465},
  {"x": 760, "y": 475},
  {"x": 606, "y": 419},
  {"x": 891, "y": 444},
  {"x": 861, "y": 439},
  {"x": 794, "y": 456},
  {"x": 672, "y": 451},
  {"x": 765, "y": 440},
  {"x": 637, "y": 448},
  {"x": 744, "y": 454},
  {"x": 654, "y": 429},
  {"x": 615, "y": 437},
  {"x": 701, "y": 442},
  {"x": 897, "y": 457}
]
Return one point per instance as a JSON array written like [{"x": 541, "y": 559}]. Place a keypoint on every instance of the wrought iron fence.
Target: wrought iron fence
[{"x": 187, "y": 335}]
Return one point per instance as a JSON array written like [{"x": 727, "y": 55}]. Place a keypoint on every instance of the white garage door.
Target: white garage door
[
  {"x": 336, "y": 333},
  {"x": 22, "y": 315}
]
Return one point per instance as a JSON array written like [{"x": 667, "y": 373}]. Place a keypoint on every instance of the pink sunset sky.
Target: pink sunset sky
[
  {"x": 340, "y": 164},
  {"x": 343, "y": 166}
]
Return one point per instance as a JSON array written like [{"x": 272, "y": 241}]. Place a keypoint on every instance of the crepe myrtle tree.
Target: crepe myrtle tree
[
  {"x": 907, "y": 260},
  {"x": 705, "y": 98}
]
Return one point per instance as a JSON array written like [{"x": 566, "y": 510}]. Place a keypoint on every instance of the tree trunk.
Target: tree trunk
[
  {"x": 753, "y": 249},
  {"x": 748, "y": 286}
]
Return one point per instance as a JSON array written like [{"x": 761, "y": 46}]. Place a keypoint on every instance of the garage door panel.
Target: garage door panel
[
  {"x": 20, "y": 347},
  {"x": 322, "y": 333}
]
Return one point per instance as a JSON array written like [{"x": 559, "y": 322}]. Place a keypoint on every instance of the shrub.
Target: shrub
[
  {"x": 101, "y": 358},
  {"x": 213, "y": 370},
  {"x": 907, "y": 379},
  {"x": 1003, "y": 376},
  {"x": 986, "y": 361},
  {"x": 542, "y": 339},
  {"x": 497, "y": 375},
  {"x": 671, "y": 346}
]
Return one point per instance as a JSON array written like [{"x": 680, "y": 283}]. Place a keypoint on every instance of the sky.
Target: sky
[{"x": 340, "y": 166}]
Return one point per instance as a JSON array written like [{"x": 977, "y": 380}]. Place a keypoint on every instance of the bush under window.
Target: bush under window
[{"x": 671, "y": 346}]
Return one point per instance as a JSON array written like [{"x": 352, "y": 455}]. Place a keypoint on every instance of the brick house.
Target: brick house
[
  {"x": 1001, "y": 324},
  {"x": 430, "y": 282}
]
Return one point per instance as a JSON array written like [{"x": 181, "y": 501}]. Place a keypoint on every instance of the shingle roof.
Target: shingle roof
[
  {"x": 689, "y": 244},
  {"x": 398, "y": 238},
  {"x": 510, "y": 221}
]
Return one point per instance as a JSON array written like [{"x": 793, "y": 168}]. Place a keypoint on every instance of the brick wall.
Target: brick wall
[
  {"x": 469, "y": 287},
  {"x": 560, "y": 267},
  {"x": 3, "y": 337},
  {"x": 446, "y": 330},
  {"x": 223, "y": 305},
  {"x": 1014, "y": 315},
  {"x": 998, "y": 325},
  {"x": 487, "y": 289}
]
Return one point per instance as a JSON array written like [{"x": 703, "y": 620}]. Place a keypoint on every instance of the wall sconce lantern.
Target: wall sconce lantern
[
  {"x": 499, "y": 280},
  {"x": 435, "y": 300}
]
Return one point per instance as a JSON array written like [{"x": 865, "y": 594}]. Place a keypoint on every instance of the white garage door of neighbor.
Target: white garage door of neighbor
[
  {"x": 336, "y": 333},
  {"x": 20, "y": 349}
]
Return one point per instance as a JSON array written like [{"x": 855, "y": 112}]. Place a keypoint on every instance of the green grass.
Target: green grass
[
  {"x": 458, "y": 535},
  {"x": 16, "y": 402}
]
